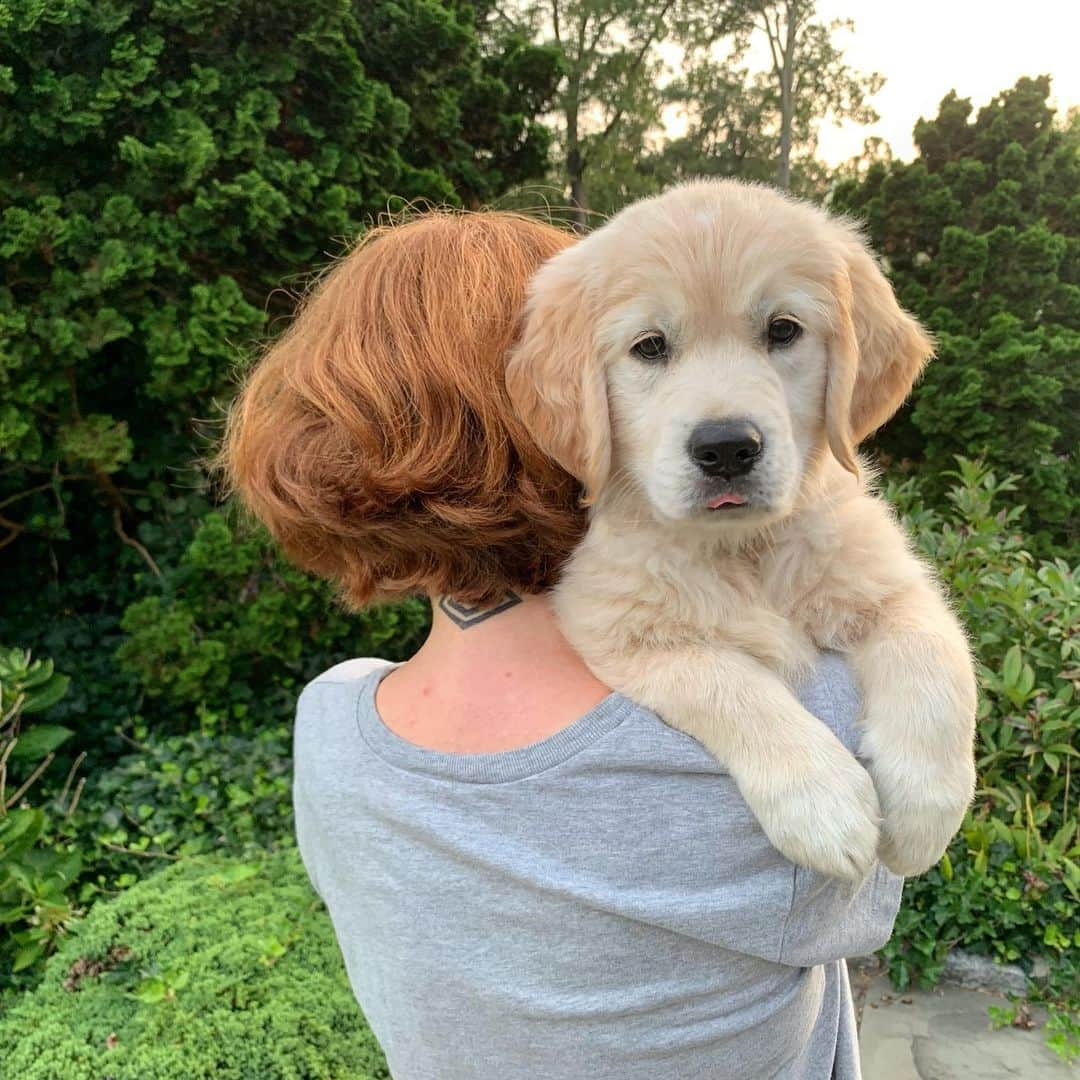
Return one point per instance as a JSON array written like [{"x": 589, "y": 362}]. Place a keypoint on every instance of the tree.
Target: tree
[
  {"x": 476, "y": 91},
  {"x": 784, "y": 24},
  {"x": 982, "y": 237},
  {"x": 610, "y": 74},
  {"x": 165, "y": 167},
  {"x": 763, "y": 125},
  {"x": 626, "y": 64}
]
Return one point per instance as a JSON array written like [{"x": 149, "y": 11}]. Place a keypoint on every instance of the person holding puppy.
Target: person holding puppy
[{"x": 528, "y": 874}]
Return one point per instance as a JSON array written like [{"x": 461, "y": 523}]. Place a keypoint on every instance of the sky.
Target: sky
[{"x": 925, "y": 48}]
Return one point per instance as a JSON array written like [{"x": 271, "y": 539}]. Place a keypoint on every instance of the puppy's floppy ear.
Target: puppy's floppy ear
[
  {"x": 877, "y": 353},
  {"x": 555, "y": 377}
]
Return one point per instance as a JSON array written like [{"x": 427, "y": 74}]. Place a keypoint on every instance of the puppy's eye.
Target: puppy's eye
[
  {"x": 651, "y": 349},
  {"x": 783, "y": 331}
]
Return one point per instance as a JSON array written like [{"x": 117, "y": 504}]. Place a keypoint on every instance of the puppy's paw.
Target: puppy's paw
[
  {"x": 826, "y": 816},
  {"x": 918, "y": 722},
  {"x": 922, "y": 811},
  {"x": 912, "y": 843}
]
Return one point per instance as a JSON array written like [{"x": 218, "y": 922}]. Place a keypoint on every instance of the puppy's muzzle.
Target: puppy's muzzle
[{"x": 725, "y": 448}]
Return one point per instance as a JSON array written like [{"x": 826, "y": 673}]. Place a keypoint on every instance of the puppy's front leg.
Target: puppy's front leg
[
  {"x": 815, "y": 802},
  {"x": 918, "y": 720}
]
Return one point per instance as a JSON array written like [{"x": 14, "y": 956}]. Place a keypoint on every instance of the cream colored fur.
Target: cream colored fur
[{"x": 708, "y": 617}]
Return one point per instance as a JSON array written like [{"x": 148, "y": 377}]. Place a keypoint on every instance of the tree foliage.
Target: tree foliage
[
  {"x": 982, "y": 238},
  {"x": 633, "y": 72},
  {"x": 608, "y": 96},
  {"x": 233, "y": 632},
  {"x": 763, "y": 124},
  {"x": 165, "y": 167}
]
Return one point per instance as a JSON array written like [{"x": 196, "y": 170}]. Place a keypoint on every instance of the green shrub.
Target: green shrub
[
  {"x": 223, "y": 646},
  {"x": 170, "y": 173},
  {"x": 981, "y": 233},
  {"x": 231, "y": 633},
  {"x": 1009, "y": 887},
  {"x": 1003, "y": 894},
  {"x": 221, "y": 969},
  {"x": 181, "y": 795},
  {"x": 173, "y": 796},
  {"x": 36, "y": 878},
  {"x": 1021, "y": 615}
]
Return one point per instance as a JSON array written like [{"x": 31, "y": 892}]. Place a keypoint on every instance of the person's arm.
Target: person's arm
[
  {"x": 758, "y": 903},
  {"x": 831, "y": 919},
  {"x": 317, "y": 716}
]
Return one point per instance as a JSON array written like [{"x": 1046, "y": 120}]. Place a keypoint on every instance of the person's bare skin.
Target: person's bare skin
[{"x": 488, "y": 680}]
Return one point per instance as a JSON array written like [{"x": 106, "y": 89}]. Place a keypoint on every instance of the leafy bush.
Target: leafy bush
[
  {"x": 1010, "y": 885},
  {"x": 172, "y": 797},
  {"x": 223, "y": 646},
  {"x": 221, "y": 969},
  {"x": 982, "y": 238},
  {"x": 35, "y": 878},
  {"x": 230, "y": 635},
  {"x": 169, "y": 171},
  {"x": 1003, "y": 893},
  {"x": 183, "y": 795},
  {"x": 1021, "y": 615}
]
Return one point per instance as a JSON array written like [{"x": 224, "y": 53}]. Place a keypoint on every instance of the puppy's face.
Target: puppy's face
[
  {"x": 716, "y": 370},
  {"x": 705, "y": 348}
]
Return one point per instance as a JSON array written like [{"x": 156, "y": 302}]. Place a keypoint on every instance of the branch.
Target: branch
[
  {"x": 26, "y": 787},
  {"x": 71, "y": 776},
  {"x": 3, "y": 772},
  {"x": 141, "y": 854},
  {"x": 582, "y": 25},
  {"x": 792, "y": 33},
  {"x": 599, "y": 34},
  {"x": 23, "y": 494},
  {"x": 112, "y": 492},
  {"x": 118, "y": 525},
  {"x": 75, "y": 798},
  {"x": 129, "y": 740},
  {"x": 505, "y": 18},
  {"x": 773, "y": 38},
  {"x": 638, "y": 60},
  {"x": 14, "y": 527}
]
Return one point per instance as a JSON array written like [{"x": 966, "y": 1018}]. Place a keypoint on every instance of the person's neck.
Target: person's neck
[
  {"x": 515, "y": 626},
  {"x": 488, "y": 679}
]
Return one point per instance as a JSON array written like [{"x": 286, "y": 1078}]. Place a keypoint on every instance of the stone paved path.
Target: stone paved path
[{"x": 945, "y": 1034}]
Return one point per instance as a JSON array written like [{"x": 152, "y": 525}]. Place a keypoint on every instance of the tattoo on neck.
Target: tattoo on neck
[{"x": 465, "y": 616}]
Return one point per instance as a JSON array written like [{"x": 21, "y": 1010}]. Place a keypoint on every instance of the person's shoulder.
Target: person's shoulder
[
  {"x": 327, "y": 695},
  {"x": 350, "y": 671},
  {"x": 829, "y": 692}
]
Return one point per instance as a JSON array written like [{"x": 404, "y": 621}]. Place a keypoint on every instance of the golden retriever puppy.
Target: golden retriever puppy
[{"x": 705, "y": 364}]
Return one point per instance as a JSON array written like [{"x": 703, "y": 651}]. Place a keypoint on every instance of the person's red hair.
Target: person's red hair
[{"x": 375, "y": 439}]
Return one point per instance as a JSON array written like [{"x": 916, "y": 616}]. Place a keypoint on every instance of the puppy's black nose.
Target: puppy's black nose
[{"x": 727, "y": 448}]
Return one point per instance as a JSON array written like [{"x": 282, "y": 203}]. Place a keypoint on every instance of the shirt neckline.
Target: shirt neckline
[{"x": 490, "y": 768}]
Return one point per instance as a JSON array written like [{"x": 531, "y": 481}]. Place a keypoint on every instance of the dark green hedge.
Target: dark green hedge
[
  {"x": 981, "y": 234},
  {"x": 172, "y": 172}
]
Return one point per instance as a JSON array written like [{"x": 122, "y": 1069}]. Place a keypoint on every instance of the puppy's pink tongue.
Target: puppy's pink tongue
[{"x": 727, "y": 499}]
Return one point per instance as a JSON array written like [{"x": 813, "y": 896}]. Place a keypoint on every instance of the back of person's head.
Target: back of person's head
[{"x": 375, "y": 439}]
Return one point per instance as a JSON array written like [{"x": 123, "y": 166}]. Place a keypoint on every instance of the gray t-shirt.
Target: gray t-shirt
[{"x": 600, "y": 905}]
